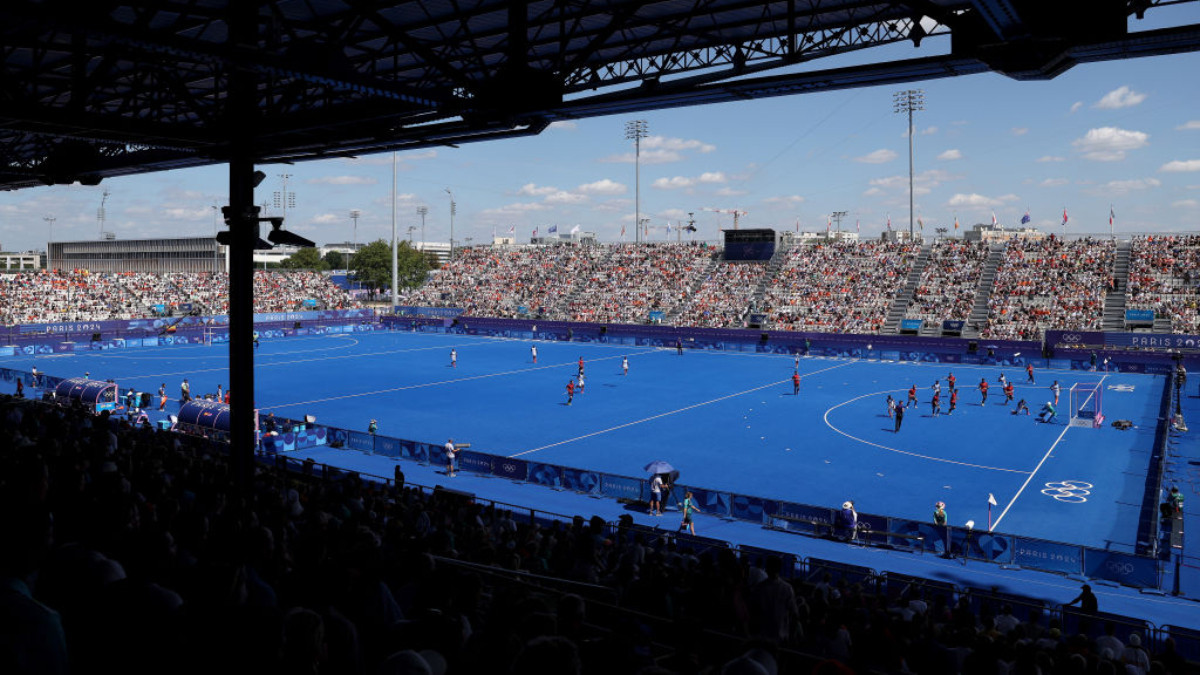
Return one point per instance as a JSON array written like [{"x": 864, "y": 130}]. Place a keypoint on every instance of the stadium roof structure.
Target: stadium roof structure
[{"x": 108, "y": 87}]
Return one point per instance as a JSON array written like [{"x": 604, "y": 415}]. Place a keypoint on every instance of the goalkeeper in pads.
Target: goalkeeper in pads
[{"x": 1048, "y": 414}]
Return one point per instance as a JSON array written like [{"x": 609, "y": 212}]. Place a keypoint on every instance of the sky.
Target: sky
[{"x": 1121, "y": 137}]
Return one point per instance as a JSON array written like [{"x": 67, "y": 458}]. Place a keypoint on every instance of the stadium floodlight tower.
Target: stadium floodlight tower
[
  {"x": 453, "y": 210},
  {"x": 636, "y": 130},
  {"x": 908, "y": 101},
  {"x": 422, "y": 211},
  {"x": 354, "y": 214},
  {"x": 50, "y": 221}
]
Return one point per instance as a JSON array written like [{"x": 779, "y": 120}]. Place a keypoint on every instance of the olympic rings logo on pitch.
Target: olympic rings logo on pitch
[
  {"x": 1123, "y": 569},
  {"x": 1069, "y": 491}
]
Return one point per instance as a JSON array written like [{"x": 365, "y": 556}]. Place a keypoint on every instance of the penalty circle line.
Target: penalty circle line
[
  {"x": 672, "y": 412},
  {"x": 904, "y": 452},
  {"x": 1037, "y": 468}
]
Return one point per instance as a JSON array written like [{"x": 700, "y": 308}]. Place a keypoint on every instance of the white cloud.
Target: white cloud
[
  {"x": 604, "y": 186},
  {"x": 1185, "y": 204},
  {"x": 385, "y": 158},
  {"x": 1109, "y": 144},
  {"x": 1020, "y": 131},
  {"x": 648, "y": 157},
  {"x": 729, "y": 192},
  {"x": 951, "y": 154},
  {"x": 514, "y": 209},
  {"x": 877, "y": 157},
  {"x": 972, "y": 200},
  {"x": 1179, "y": 166},
  {"x": 564, "y": 197},
  {"x": 1076, "y": 106},
  {"x": 341, "y": 180},
  {"x": 677, "y": 182},
  {"x": 871, "y": 192},
  {"x": 533, "y": 190},
  {"x": 328, "y": 219},
  {"x": 1193, "y": 125},
  {"x": 789, "y": 200},
  {"x": 1121, "y": 97},
  {"x": 1123, "y": 186},
  {"x": 675, "y": 144},
  {"x": 1051, "y": 158},
  {"x": 929, "y": 131},
  {"x": 673, "y": 183},
  {"x": 1054, "y": 182},
  {"x": 673, "y": 214},
  {"x": 181, "y": 213},
  {"x": 565, "y": 125}
]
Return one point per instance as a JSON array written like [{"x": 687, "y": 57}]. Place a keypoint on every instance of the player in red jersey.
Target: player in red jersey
[
  {"x": 570, "y": 391},
  {"x": 953, "y": 401},
  {"x": 1008, "y": 393},
  {"x": 912, "y": 395},
  {"x": 983, "y": 387},
  {"x": 795, "y": 383}
]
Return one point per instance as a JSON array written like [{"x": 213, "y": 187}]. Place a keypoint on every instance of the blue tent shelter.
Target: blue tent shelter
[
  {"x": 206, "y": 418},
  {"x": 96, "y": 395}
]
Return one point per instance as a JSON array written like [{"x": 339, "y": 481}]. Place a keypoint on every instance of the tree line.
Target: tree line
[{"x": 371, "y": 266}]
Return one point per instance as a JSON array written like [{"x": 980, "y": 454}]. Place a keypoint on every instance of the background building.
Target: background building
[{"x": 192, "y": 254}]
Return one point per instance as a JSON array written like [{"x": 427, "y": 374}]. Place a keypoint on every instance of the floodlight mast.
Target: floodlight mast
[
  {"x": 908, "y": 101},
  {"x": 636, "y": 130}
]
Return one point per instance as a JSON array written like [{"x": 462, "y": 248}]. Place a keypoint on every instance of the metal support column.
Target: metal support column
[{"x": 242, "y": 112}]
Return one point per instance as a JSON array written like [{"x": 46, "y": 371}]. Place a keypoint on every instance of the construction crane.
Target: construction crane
[{"x": 736, "y": 214}]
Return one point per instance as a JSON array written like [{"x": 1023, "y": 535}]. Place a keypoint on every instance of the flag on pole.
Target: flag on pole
[
  {"x": 512, "y": 229},
  {"x": 1025, "y": 218},
  {"x": 535, "y": 232},
  {"x": 668, "y": 227},
  {"x": 1065, "y": 216},
  {"x": 828, "y": 224},
  {"x": 797, "y": 224},
  {"x": 857, "y": 225},
  {"x": 889, "y": 226},
  {"x": 574, "y": 229},
  {"x": 1111, "y": 215},
  {"x": 553, "y": 229},
  {"x": 920, "y": 223},
  {"x": 622, "y": 231},
  {"x": 993, "y": 218},
  {"x": 956, "y": 221}
]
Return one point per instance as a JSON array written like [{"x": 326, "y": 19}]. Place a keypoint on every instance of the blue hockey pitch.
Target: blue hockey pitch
[{"x": 729, "y": 421}]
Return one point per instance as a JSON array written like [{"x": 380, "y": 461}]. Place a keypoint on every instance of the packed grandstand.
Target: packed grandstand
[{"x": 1005, "y": 290}]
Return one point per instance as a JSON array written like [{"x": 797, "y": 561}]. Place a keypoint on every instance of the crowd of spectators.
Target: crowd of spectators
[
  {"x": 634, "y": 280},
  {"x": 49, "y": 296},
  {"x": 500, "y": 281},
  {"x": 1050, "y": 283},
  {"x": 1164, "y": 276},
  {"x": 725, "y": 297},
  {"x": 838, "y": 287},
  {"x": 949, "y": 281},
  {"x": 130, "y": 551}
]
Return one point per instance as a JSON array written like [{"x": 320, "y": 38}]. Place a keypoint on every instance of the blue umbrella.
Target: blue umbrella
[{"x": 659, "y": 466}]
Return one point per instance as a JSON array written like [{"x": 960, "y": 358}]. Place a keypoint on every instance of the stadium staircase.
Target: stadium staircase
[
  {"x": 758, "y": 302},
  {"x": 562, "y": 309},
  {"x": 983, "y": 293},
  {"x": 698, "y": 278},
  {"x": 1114, "y": 300},
  {"x": 905, "y": 297}
]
